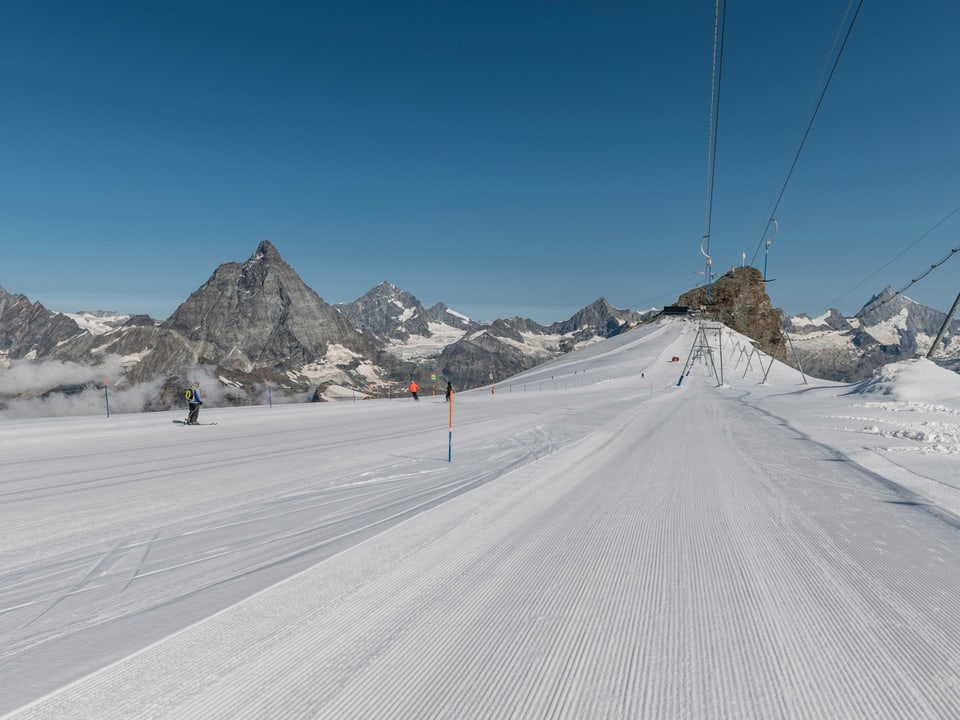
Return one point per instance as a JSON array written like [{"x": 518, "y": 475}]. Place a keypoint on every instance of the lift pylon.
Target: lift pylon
[{"x": 703, "y": 351}]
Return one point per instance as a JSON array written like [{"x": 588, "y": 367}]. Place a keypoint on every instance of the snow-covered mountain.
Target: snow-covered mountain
[
  {"x": 889, "y": 328},
  {"x": 100, "y": 322},
  {"x": 397, "y": 321},
  {"x": 393, "y": 315}
]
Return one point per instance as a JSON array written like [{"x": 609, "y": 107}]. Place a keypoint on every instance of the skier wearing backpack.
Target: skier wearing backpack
[{"x": 193, "y": 403}]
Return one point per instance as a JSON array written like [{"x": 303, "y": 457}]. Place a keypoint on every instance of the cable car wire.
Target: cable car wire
[
  {"x": 796, "y": 157},
  {"x": 896, "y": 257},
  {"x": 917, "y": 279},
  {"x": 719, "y": 24}
]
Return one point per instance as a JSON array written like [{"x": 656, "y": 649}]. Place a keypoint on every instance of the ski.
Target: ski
[{"x": 184, "y": 422}]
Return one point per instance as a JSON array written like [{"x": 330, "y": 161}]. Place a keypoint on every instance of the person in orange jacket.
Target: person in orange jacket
[{"x": 414, "y": 389}]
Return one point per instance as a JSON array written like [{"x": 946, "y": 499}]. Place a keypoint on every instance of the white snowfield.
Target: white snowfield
[{"x": 604, "y": 544}]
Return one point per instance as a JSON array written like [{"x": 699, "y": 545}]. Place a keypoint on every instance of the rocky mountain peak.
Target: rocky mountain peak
[
  {"x": 442, "y": 314},
  {"x": 388, "y": 313},
  {"x": 28, "y": 329},
  {"x": 803, "y": 324},
  {"x": 385, "y": 288},
  {"x": 835, "y": 320},
  {"x": 889, "y": 303},
  {"x": 261, "y": 314},
  {"x": 900, "y": 325},
  {"x": 599, "y": 318},
  {"x": 266, "y": 253}
]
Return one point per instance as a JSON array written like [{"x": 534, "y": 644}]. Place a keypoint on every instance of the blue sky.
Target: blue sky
[{"x": 506, "y": 158}]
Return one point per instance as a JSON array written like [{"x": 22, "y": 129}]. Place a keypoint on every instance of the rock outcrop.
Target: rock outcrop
[{"x": 739, "y": 300}]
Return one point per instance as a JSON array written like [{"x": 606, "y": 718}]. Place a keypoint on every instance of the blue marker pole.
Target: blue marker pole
[{"x": 106, "y": 396}]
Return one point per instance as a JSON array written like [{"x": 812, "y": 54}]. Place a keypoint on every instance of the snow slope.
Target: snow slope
[{"x": 603, "y": 544}]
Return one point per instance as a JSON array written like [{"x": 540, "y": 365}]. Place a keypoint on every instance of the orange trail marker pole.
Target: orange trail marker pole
[{"x": 450, "y": 433}]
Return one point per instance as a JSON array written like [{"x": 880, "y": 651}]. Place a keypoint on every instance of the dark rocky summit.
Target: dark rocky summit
[
  {"x": 260, "y": 314},
  {"x": 739, "y": 300}
]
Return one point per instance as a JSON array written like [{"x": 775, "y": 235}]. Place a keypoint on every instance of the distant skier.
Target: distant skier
[
  {"x": 193, "y": 403},
  {"x": 449, "y": 392},
  {"x": 414, "y": 389}
]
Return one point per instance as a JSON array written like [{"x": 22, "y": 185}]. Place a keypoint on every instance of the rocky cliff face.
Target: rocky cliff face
[{"x": 739, "y": 299}]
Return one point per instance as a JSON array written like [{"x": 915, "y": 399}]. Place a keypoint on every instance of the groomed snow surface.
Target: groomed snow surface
[{"x": 603, "y": 544}]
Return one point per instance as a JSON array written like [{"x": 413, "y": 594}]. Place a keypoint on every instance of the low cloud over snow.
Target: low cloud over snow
[{"x": 29, "y": 377}]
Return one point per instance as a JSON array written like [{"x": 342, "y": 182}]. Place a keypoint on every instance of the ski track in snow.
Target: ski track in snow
[{"x": 621, "y": 549}]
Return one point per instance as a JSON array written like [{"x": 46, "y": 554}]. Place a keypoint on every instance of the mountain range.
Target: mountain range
[
  {"x": 255, "y": 327},
  {"x": 256, "y": 324},
  {"x": 889, "y": 328}
]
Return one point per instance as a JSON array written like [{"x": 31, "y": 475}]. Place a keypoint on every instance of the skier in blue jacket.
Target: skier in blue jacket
[{"x": 193, "y": 402}]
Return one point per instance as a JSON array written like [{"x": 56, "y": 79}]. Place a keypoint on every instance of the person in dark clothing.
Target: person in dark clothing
[
  {"x": 449, "y": 392},
  {"x": 193, "y": 403}
]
